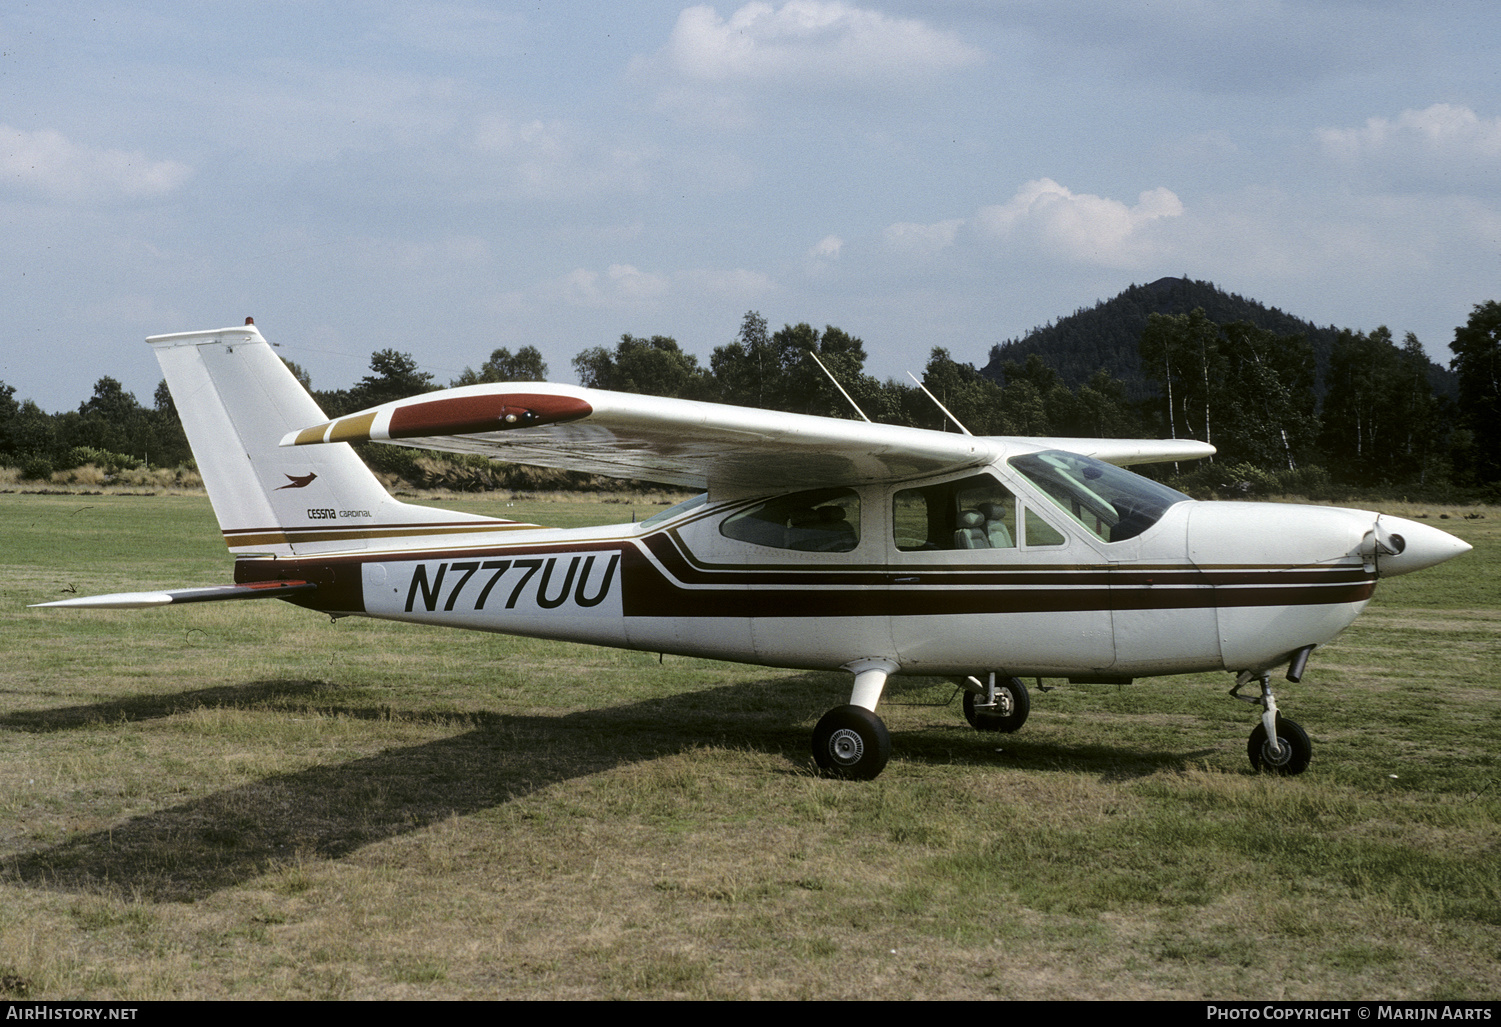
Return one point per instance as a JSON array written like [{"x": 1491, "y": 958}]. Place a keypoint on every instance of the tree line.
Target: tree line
[{"x": 1247, "y": 390}]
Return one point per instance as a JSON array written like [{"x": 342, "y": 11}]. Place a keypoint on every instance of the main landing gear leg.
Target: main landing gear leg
[
  {"x": 1278, "y": 745},
  {"x": 850, "y": 741}
]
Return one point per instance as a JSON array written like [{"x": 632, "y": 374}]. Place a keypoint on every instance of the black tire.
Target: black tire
[
  {"x": 851, "y": 742},
  {"x": 1013, "y": 703},
  {"x": 1295, "y": 749}
]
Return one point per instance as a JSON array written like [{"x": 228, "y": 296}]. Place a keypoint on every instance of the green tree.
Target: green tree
[
  {"x": 801, "y": 387},
  {"x": 32, "y": 431},
  {"x": 1359, "y": 435},
  {"x": 110, "y": 401},
  {"x": 1267, "y": 400},
  {"x": 170, "y": 447},
  {"x": 1099, "y": 411},
  {"x": 525, "y": 365},
  {"x": 1420, "y": 421},
  {"x": 652, "y": 367},
  {"x": 110, "y": 420},
  {"x": 393, "y": 376},
  {"x": 1182, "y": 355},
  {"x": 1024, "y": 410},
  {"x": 303, "y": 378},
  {"x": 9, "y": 409},
  {"x": 1477, "y": 363},
  {"x": 976, "y": 401},
  {"x": 748, "y": 370}
]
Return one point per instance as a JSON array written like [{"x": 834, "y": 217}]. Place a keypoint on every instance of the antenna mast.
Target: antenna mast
[
  {"x": 939, "y": 405},
  {"x": 846, "y": 395}
]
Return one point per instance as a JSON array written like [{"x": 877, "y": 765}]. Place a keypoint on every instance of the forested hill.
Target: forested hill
[{"x": 1108, "y": 334}]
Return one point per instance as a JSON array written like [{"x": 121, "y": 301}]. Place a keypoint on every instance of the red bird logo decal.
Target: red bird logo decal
[{"x": 297, "y": 482}]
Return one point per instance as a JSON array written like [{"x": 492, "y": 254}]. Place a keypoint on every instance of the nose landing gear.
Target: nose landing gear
[
  {"x": 1289, "y": 756},
  {"x": 1278, "y": 745},
  {"x": 1000, "y": 705}
]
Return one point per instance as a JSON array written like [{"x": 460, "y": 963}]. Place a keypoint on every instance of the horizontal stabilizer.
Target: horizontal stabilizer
[{"x": 211, "y": 594}]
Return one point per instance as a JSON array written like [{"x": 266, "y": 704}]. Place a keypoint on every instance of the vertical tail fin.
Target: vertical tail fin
[{"x": 237, "y": 399}]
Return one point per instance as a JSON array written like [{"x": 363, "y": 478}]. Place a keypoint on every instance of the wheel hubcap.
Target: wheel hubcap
[
  {"x": 1276, "y": 752},
  {"x": 846, "y": 746}
]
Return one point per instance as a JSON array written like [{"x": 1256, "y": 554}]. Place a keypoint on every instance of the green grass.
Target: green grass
[{"x": 247, "y": 800}]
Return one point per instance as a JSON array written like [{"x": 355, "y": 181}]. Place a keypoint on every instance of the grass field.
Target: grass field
[{"x": 246, "y": 800}]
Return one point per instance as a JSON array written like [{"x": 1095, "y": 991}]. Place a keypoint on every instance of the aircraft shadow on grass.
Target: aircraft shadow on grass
[{"x": 189, "y": 851}]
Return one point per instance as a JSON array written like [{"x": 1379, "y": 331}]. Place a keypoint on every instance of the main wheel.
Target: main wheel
[
  {"x": 852, "y": 743},
  {"x": 1012, "y": 704},
  {"x": 1291, "y": 755}
]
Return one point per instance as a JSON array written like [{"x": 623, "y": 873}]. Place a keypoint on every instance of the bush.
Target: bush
[
  {"x": 36, "y": 468},
  {"x": 109, "y": 463},
  {"x": 1244, "y": 481},
  {"x": 1227, "y": 481}
]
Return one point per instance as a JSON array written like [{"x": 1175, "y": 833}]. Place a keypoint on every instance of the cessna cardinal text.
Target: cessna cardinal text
[{"x": 818, "y": 543}]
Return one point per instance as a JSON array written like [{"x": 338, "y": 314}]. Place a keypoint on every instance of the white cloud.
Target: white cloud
[
  {"x": 426, "y": 257},
  {"x": 47, "y": 162},
  {"x": 625, "y": 285},
  {"x": 1441, "y": 143},
  {"x": 827, "y": 248},
  {"x": 1082, "y": 227},
  {"x": 738, "y": 284},
  {"x": 630, "y": 283},
  {"x": 620, "y": 285},
  {"x": 921, "y": 241},
  {"x": 552, "y": 160},
  {"x": 296, "y": 111},
  {"x": 809, "y": 42}
]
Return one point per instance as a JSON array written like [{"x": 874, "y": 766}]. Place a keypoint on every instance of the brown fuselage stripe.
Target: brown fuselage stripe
[
  {"x": 238, "y": 538},
  {"x": 681, "y": 566},
  {"x": 648, "y": 592}
]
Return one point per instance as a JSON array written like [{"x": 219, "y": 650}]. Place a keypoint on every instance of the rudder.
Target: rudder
[{"x": 236, "y": 400}]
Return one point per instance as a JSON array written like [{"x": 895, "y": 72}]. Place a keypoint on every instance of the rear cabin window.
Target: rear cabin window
[{"x": 821, "y": 521}]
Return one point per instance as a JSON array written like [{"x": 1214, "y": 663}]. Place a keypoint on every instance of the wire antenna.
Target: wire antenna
[
  {"x": 846, "y": 395},
  {"x": 939, "y": 405}
]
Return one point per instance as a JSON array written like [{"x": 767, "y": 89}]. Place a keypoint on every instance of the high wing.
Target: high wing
[{"x": 728, "y": 450}]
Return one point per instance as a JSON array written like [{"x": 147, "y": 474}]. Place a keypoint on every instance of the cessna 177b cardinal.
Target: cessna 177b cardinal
[{"x": 817, "y": 543}]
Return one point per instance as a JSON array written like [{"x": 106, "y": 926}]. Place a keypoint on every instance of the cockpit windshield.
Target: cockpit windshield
[
  {"x": 1108, "y": 501},
  {"x": 664, "y": 516}
]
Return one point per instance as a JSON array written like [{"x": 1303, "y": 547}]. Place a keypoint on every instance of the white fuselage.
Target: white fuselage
[{"x": 1208, "y": 586}]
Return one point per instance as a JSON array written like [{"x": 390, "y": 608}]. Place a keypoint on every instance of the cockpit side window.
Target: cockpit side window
[
  {"x": 1108, "y": 501},
  {"x": 972, "y": 513},
  {"x": 821, "y": 521}
]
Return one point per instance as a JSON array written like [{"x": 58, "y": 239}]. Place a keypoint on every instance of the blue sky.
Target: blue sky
[{"x": 449, "y": 178}]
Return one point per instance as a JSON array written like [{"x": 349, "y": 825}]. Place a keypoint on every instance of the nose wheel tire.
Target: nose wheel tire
[
  {"x": 851, "y": 742},
  {"x": 1291, "y": 754},
  {"x": 1012, "y": 704}
]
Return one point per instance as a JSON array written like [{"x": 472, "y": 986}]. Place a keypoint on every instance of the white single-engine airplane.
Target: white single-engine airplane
[{"x": 818, "y": 543}]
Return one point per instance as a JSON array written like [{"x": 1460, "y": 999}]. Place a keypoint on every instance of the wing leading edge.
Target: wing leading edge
[{"x": 728, "y": 450}]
